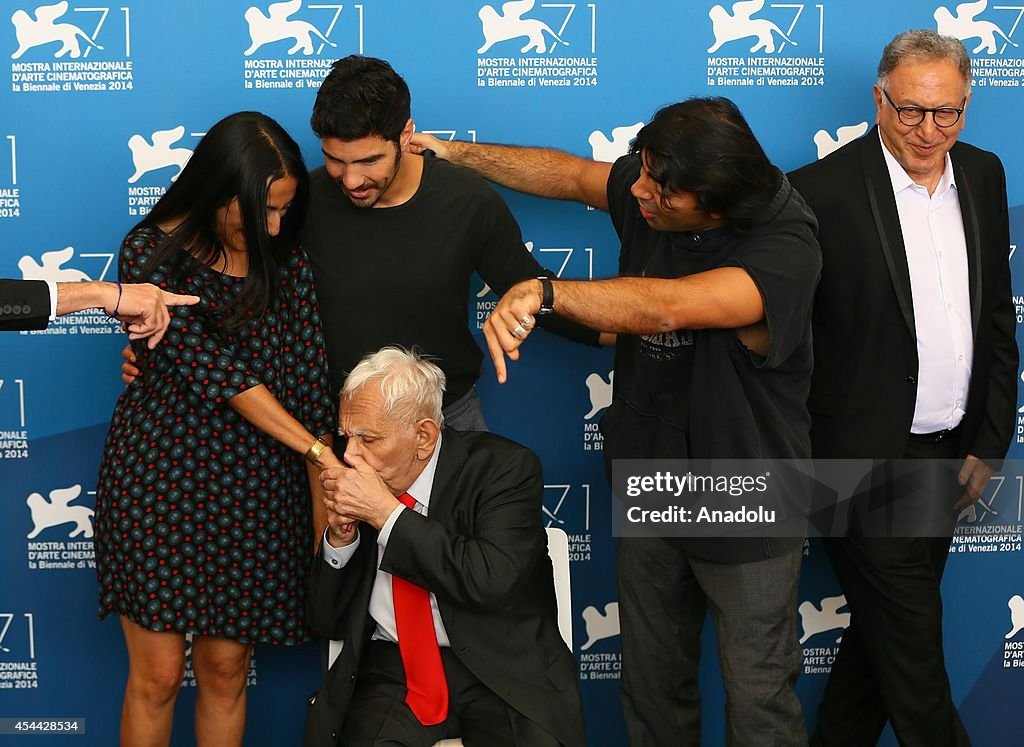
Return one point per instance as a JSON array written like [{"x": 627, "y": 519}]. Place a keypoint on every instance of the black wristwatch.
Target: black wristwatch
[{"x": 547, "y": 297}]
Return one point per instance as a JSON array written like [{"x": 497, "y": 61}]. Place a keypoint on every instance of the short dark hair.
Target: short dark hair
[
  {"x": 360, "y": 97},
  {"x": 705, "y": 146},
  {"x": 238, "y": 157}
]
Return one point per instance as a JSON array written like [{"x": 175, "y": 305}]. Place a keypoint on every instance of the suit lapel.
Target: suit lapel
[
  {"x": 972, "y": 236},
  {"x": 887, "y": 222},
  {"x": 449, "y": 462}
]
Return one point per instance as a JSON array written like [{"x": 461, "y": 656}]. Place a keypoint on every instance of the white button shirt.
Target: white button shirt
[
  {"x": 382, "y": 604},
  {"x": 933, "y": 234}
]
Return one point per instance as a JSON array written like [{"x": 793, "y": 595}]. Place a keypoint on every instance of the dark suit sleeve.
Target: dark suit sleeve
[
  {"x": 333, "y": 590},
  {"x": 24, "y": 304},
  {"x": 483, "y": 569},
  {"x": 996, "y": 430}
]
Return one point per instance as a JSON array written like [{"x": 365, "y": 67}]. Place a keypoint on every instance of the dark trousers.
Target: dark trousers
[
  {"x": 664, "y": 596},
  {"x": 891, "y": 665},
  {"x": 379, "y": 717}
]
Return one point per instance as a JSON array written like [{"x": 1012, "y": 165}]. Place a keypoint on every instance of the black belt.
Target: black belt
[{"x": 935, "y": 437}]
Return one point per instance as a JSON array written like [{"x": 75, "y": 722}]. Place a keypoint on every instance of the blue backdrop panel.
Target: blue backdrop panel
[{"x": 100, "y": 106}]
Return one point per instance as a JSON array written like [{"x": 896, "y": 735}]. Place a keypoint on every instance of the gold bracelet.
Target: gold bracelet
[{"x": 315, "y": 450}]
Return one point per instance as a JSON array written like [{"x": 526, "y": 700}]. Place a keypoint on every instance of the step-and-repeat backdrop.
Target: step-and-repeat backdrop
[{"x": 101, "y": 105}]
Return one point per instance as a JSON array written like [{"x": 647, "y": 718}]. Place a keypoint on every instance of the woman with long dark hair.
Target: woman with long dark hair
[{"x": 203, "y": 521}]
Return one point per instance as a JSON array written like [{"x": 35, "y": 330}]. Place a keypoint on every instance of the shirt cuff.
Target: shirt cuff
[
  {"x": 385, "y": 531},
  {"x": 338, "y": 557},
  {"x": 52, "y": 288}
]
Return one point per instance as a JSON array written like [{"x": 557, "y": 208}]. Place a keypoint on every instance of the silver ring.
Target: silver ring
[
  {"x": 519, "y": 331},
  {"x": 526, "y": 321}
]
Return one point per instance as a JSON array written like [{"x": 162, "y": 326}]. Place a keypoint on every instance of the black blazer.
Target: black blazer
[
  {"x": 864, "y": 385},
  {"x": 24, "y": 304},
  {"x": 483, "y": 552}
]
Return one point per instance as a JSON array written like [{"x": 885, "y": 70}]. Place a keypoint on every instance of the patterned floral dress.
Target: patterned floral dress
[{"x": 202, "y": 520}]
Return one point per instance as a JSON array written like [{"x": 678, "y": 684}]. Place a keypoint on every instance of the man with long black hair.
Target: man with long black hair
[{"x": 713, "y": 360}]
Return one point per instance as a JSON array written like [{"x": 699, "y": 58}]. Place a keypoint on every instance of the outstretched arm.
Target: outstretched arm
[
  {"x": 723, "y": 298},
  {"x": 536, "y": 171},
  {"x": 261, "y": 408},
  {"x": 142, "y": 306}
]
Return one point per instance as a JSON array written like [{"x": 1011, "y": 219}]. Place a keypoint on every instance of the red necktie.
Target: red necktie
[{"x": 427, "y": 688}]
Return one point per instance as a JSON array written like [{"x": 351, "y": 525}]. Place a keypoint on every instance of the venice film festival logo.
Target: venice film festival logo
[
  {"x": 51, "y": 266},
  {"x": 296, "y": 43},
  {"x": 567, "y": 507},
  {"x": 580, "y": 264},
  {"x": 989, "y": 39},
  {"x": 160, "y": 156},
  {"x": 530, "y": 44},
  {"x": 600, "y": 625},
  {"x": 62, "y": 266},
  {"x": 58, "y": 46},
  {"x": 1019, "y": 303},
  {"x": 1013, "y": 647},
  {"x": 826, "y": 143},
  {"x": 994, "y": 522},
  {"x": 18, "y": 647},
  {"x": 10, "y": 193},
  {"x": 827, "y": 618},
  {"x": 599, "y": 396},
  {"x": 67, "y": 527},
  {"x": 609, "y": 150},
  {"x": 766, "y": 50},
  {"x": 13, "y": 433}
]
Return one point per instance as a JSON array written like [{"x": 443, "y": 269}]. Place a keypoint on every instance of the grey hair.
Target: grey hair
[
  {"x": 412, "y": 387},
  {"x": 924, "y": 44}
]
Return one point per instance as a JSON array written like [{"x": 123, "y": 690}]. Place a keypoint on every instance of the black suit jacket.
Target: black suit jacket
[
  {"x": 24, "y": 304},
  {"x": 483, "y": 552},
  {"x": 864, "y": 385}
]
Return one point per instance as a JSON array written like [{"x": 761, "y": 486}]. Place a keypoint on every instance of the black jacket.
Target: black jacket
[
  {"x": 864, "y": 385},
  {"x": 483, "y": 552},
  {"x": 24, "y": 304}
]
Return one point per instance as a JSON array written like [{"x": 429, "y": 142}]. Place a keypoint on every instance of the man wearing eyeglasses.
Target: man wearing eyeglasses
[{"x": 915, "y": 359}]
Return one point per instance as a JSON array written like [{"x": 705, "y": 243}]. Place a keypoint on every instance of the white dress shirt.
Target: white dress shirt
[
  {"x": 52, "y": 287},
  {"x": 382, "y": 604},
  {"x": 933, "y": 234}
]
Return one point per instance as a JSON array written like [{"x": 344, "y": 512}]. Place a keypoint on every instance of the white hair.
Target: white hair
[{"x": 412, "y": 387}]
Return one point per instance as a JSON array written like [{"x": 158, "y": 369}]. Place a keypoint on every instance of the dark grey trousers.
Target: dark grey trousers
[
  {"x": 664, "y": 595},
  {"x": 465, "y": 413}
]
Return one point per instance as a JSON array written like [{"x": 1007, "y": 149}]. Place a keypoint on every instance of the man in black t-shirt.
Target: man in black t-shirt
[
  {"x": 713, "y": 361},
  {"x": 395, "y": 237}
]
